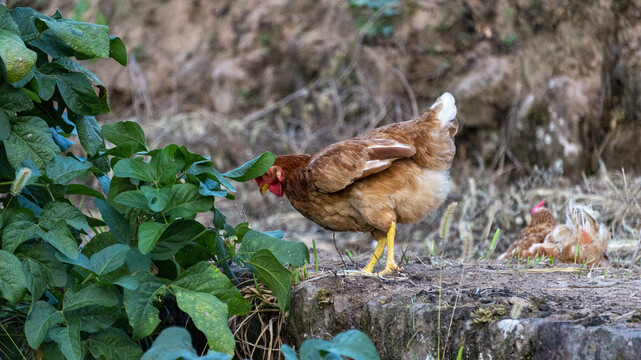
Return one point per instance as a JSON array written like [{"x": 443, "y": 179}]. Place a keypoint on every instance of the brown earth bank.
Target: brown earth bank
[
  {"x": 553, "y": 84},
  {"x": 505, "y": 311}
]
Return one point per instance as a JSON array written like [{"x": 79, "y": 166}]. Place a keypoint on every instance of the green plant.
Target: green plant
[
  {"x": 175, "y": 343},
  {"x": 73, "y": 284},
  {"x": 374, "y": 17},
  {"x": 495, "y": 240},
  {"x": 351, "y": 343}
]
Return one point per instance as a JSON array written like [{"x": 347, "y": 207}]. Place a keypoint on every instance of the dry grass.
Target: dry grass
[{"x": 257, "y": 334}]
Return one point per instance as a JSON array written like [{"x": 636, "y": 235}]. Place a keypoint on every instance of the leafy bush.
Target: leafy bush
[{"x": 77, "y": 286}]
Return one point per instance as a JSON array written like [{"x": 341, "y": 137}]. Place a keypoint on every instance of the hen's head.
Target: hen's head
[
  {"x": 272, "y": 181},
  {"x": 538, "y": 207}
]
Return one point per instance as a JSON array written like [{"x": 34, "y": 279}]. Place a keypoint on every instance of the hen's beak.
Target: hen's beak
[{"x": 263, "y": 189}]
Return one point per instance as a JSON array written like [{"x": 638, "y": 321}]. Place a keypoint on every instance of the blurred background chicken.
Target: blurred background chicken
[
  {"x": 580, "y": 240},
  {"x": 541, "y": 225}
]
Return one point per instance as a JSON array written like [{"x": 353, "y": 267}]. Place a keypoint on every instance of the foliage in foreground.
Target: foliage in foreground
[
  {"x": 351, "y": 343},
  {"x": 76, "y": 286}
]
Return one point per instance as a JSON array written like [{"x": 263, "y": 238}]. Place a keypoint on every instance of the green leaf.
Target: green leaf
[
  {"x": 17, "y": 59},
  {"x": 148, "y": 235},
  {"x": 78, "y": 93},
  {"x": 13, "y": 284},
  {"x": 72, "y": 66},
  {"x": 288, "y": 352},
  {"x": 30, "y": 139},
  {"x": 137, "y": 262},
  {"x": 51, "y": 350},
  {"x": 210, "y": 316},
  {"x": 123, "y": 132},
  {"x": 185, "y": 201},
  {"x": 45, "y": 256},
  {"x": 124, "y": 150},
  {"x": 6, "y": 21},
  {"x": 139, "y": 305},
  {"x": 157, "y": 199},
  {"x": 191, "y": 158},
  {"x": 166, "y": 163},
  {"x": 99, "y": 242},
  {"x": 78, "y": 189},
  {"x": 21, "y": 228},
  {"x": 133, "y": 198},
  {"x": 271, "y": 273},
  {"x": 135, "y": 168},
  {"x": 117, "y": 50},
  {"x": 89, "y": 132},
  {"x": 127, "y": 282},
  {"x": 118, "y": 224},
  {"x": 253, "y": 168},
  {"x": 60, "y": 237},
  {"x": 36, "y": 275},
  {"x": 109, "y": 259},
  {"x": 55, "y": 211},
  {"x": 64, "y": 169},
  {"x": 95, "y": 318},
  {"x": 206, "y": 278},
  {"x": 14, "y": 100},
  {"x": 68, "y": 339},
  {"x": 41, "y": 318},
  {"x": 93, "y": 294},
  {"x": 287, "y": 252},
  {"x": 211, "y": 187},
  {"x": 177, "y": 235},
  {"x": 207, "y": 168},
  {"x": 191, "y": 254},
  {"x": 81, "y": 261},
  {"x": 113, "y": 344},
  {"x": 87, "y": 39},
  {"x": 5, "y": 125},
  {"x": 353, "y": 344},
  {"x": 175, "y": 343}
]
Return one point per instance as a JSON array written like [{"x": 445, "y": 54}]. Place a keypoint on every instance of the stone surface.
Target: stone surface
[{"x": 561, "y": 316}]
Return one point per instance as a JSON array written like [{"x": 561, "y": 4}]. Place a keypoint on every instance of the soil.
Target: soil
[
  {"x": 538, "y": 79},
  {"x": 499, "y": 311}
]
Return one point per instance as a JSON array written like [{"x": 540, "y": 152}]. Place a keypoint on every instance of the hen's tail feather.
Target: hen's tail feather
[
  {"x": 446, "y": 107},
  {"x": 438, "y": 152}
]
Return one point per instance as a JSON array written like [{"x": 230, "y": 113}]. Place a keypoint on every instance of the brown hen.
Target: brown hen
[
  {"x": 540, "y": 226},
  {"x": 580, "y": 240},
  {"x": 395, "y": 173}
]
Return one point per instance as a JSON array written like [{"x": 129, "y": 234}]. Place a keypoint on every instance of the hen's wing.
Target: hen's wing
[
  {"x": 432, "y": 134},
  {"x": 338, "y": 165}
]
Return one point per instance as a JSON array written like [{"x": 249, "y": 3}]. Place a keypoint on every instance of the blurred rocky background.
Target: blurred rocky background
[{"x": 548, "y": 92}]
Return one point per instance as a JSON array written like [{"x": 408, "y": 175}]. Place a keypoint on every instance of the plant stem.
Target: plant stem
[
  {"x": 13, "y": 342},
  {"x": 87, "y": 278}
]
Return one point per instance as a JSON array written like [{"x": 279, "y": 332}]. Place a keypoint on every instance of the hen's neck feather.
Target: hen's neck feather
[
  {"x": 543, "y": 216},
  {"x": 294, "y": 184}
]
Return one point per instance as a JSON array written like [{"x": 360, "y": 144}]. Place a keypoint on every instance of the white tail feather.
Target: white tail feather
[{"x": 447, "y": 112}]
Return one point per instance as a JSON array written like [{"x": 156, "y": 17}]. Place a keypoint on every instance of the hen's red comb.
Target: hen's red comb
[{"x": 538, "y": 206}]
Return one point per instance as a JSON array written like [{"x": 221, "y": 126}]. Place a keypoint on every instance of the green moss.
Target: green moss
[
  {"x": 323, "y": 298},
  {"x": 487, "y": 314}
]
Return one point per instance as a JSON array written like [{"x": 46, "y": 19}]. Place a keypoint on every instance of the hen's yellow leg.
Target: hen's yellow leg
[
  {"x": 390, "y": 265},
  {"x": 377, "y": 254}
]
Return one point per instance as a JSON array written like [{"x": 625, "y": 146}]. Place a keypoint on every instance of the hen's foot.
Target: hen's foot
[{"x": 390, "y": 269}]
